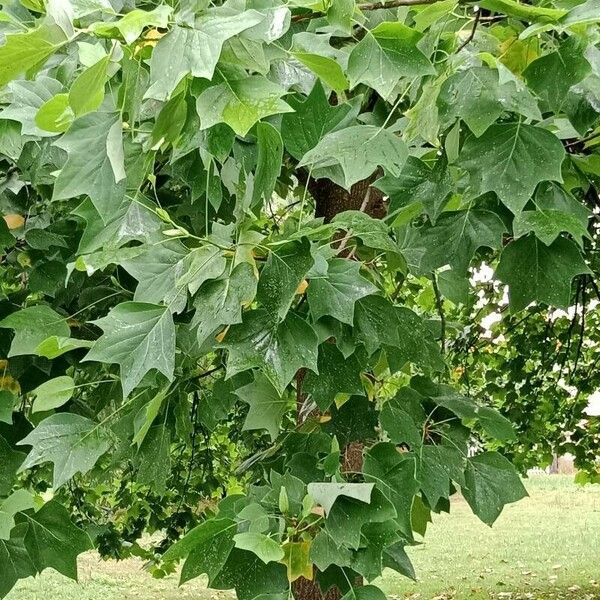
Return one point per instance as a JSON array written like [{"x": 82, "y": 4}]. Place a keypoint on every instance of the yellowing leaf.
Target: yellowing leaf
[
  {"x": 14, "y": 221},
  {"x": 297, "y": 560}
]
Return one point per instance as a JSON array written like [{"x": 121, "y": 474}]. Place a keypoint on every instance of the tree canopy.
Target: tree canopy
[{"x": 244, "y": 250}]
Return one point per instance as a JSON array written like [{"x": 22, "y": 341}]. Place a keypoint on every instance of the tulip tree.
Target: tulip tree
[{"x": 230, "y": 231}]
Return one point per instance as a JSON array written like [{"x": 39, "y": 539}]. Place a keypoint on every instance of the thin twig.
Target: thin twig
[
  {"x": 583, "y": 140},
  {"x": 440, "y": 308},
  {"x": 472, "y": 34}
]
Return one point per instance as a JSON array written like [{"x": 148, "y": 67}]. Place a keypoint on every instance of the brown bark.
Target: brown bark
[{"x": 331, "y": 199}]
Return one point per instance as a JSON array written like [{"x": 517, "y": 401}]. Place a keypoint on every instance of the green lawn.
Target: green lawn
[{"x": 545, "y": 547}]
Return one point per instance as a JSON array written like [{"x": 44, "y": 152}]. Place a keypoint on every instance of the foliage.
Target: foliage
[{"x": 230, "y": 236}]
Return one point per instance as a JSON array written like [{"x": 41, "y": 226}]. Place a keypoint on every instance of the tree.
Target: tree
[{"x": 234, "y": 236}]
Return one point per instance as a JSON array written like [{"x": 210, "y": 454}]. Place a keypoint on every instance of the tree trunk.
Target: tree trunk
[{"x": 331, "y": 199}]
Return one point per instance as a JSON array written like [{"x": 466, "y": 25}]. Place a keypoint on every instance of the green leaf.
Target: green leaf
[
  {"x": 340, "y": 13},
  {"x": 302, "y": 129},
  {"x": 425, "y": 16},
  {"x": 365, "y": 592},
  {"x": 511, "y": 159},
  {"x": 153, "y": 459},
  {"x": 267, "y": 549},
  {"x": 352, "y": 154},
  {"x": 55, "y": 115},
  {"x": 251, "y": 577},
  {"x": 494, "y": 424},
  {"x": 269, "y": 161},
  {"x": 335, "y": 292},
  {"x": 166, "y": 271},
  {"x": 438, "y": 467},
  {"x": 210, "y": 554},
  {"x": 417, "y": 183},
  {"x": 472, "y": 95},
  {"x": 18, "y": 501},
  {"x": 7, "y": 405},
  {"x": 348, "y": 516},
  {"x": 198, "y": 536},
  {"x": 240, "y": 103},
  {"x": 536, "y": 272},
  {"x": 95, "y": 164},
  {"x": 133, "y": 23},
  {"x": 24, "y": 51},
  {"x": 387, "y": 53},
  {"x": 337, "y": 375},
  {"x": 491, "y": 482},
  {"x": 15, "y": 562},
  {"x": 585, "y": 13},
  {"x": 145, "y": 417},
  {"x": 53, "y": 393},
  {"x": 524, "y": 11},
  {"x": 277, "y": 349},
  {"x": 267, "y": 406},
  {"x": 453, "y": 240},
  {"x": 139, "y": 337},
  {"x": 282, "y": 274},
  {"x": 375, "y": 323},
  {"x": 87, "y": 91},
  {"x": 9, "y": 466},
  {"x": 194, "y": 50},
  {"x": 556, "y": 211},
  {"x": 372, "y": 232},
  {"x": 7, "y": 239},
  {"x": 32, "y": 326},
  {"x": 547, "y": 225},
  {"x": 324, "y": 552},
  {"x": 394, "y": 475},
  {"x": 551, "y": 76},
  {"x": 73, "y": 443},
  {"x": 53, "y": 541},
  {"x": 27, "y": 98},
  {"x": 325, "y": 494},
  {"x": 326, "y": 69},
  {"x": 219, "y": 302},
  {"x": 402, "y": 418},
  {"x": 56, "y": 346}
]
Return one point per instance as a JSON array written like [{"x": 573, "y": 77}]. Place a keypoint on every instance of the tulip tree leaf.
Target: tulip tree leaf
[
  {"x": 194, "y": 50},
  {"x": 387, "y": 53},
  {"x": 95, "y": 164},
  {"x": 536, "y": 272},
  {"x": 277, "y": 349},
  {"x": 267, "y": 406},
  {"x": 240, "y": 103},
  {"x": 139, "y": 337},
  {"x": 491, "y": 482},
  {"x": 53, "y": 393},
  {"x": 511, "y": 159},
  {"x": 32, "y": 326},
  {"x": 352, "y": 154},
  {"x": 312, "y": 118},
  {"x": 53, "y": 540},
  {"x": 220, "y": 301},
  {"x": 71, "y": 442},
  {"x": 334, "y": 293}
]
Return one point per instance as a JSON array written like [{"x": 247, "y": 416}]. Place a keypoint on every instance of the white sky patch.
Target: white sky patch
[{"x": 593, "y": 407}]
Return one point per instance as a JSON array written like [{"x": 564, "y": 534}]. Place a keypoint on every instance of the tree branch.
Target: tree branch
[
  {"x": 472, "y": 34},
  {"x": 440, "y": 308},
  {"x": 368, "y": 6}
]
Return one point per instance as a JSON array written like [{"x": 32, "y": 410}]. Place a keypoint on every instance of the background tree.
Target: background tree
[{"x": 236, "y": 295}]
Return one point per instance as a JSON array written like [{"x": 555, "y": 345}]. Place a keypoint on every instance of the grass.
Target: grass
[{"x": 546, "y": 547}]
